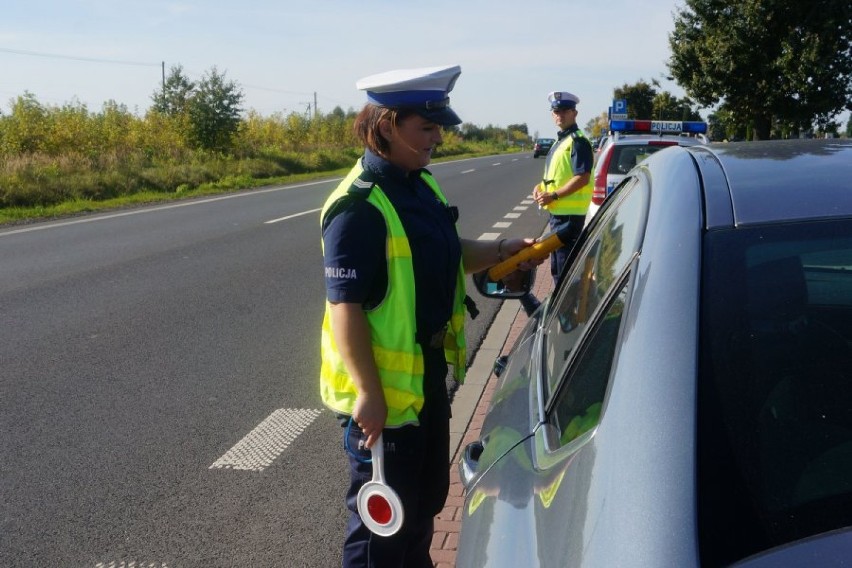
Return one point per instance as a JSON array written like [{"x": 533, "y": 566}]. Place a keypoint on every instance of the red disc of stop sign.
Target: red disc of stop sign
[{"x": 379, "y": 505}]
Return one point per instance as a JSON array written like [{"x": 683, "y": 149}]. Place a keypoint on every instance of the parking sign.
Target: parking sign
[{"x": 619, "y": 109}]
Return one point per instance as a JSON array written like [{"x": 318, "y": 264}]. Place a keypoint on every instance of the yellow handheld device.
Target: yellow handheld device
[{"x": 540, "y": 249}]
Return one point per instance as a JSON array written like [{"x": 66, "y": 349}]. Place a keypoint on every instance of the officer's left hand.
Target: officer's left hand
[
  {"x": 544, "y": 198},
  {"x": 514, "y": 246}
]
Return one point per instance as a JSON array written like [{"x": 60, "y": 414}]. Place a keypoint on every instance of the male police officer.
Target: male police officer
[{"x": 566, "y": 188}]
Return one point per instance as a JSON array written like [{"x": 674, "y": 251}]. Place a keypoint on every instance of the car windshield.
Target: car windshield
[
  {"x": 775, "y": 387},
  {"x": 625, "y": 156}
]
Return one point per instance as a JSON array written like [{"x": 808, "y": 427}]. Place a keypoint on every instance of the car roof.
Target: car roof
[
  {"x": 623, "y": 139},
  {"x": 777, "y": 180}
]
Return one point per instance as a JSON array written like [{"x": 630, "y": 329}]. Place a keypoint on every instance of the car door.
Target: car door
[{"x": 511, "y": 511}]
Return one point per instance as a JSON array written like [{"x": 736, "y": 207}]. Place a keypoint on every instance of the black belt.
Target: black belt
[{"x": 435, "y": 341}]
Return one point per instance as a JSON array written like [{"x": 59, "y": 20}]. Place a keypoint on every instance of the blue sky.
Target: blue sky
[{"x": 281, "y": 52}]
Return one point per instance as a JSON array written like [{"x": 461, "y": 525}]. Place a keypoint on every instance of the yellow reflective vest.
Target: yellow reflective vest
[
  {"x": 558, "y": 171},
  {"x": 393, "y": 328}
]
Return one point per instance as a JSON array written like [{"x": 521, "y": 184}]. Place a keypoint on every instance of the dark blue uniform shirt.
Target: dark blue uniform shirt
[{"x": 354, "y": 237}]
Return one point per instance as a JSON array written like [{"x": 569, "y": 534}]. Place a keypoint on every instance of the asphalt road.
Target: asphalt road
[{"x": 158, "y": 377}]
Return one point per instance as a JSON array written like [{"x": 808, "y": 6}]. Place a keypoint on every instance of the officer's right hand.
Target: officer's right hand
[{"x": 370, "y": 414}]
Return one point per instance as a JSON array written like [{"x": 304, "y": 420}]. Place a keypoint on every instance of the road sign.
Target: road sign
[{"x": 619, "y": 109}]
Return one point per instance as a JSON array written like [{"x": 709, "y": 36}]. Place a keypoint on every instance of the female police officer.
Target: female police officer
[{"x": 394, "y": 318}]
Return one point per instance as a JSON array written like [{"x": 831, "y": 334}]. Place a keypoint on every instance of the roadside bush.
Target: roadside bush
[{"x": 50, "y": 155}]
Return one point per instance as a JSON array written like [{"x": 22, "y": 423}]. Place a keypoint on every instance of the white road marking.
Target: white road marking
[
  {"x": 496, "y": 164},
  {"x": 259, "y": 448},
  {"x": 527, "y": 202},
  {"x": 292, "y": 216},
  {"x": 511, "y": 215},
  {"x": 488, "y": 236},
  {"x": 520, "y": 208},
  {"x": 154, "y": 209},
  {"x": 502, "y": 225},
  {"x": 468, "y": 171},
  {"x": 130, "y": 564}
]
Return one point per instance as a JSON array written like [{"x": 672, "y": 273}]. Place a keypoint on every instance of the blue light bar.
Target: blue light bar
[{"x": 658, "y": 126}]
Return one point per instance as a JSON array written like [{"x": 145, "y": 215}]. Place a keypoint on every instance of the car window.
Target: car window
[
  {"x": 775, "y": 387},
  {"x": 601, "y": 260},
  {"x": 580, "y": 399}
]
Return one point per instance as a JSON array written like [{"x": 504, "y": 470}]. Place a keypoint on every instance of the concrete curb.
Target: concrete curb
[
  {"x": 470, "y": 404},
  {"x": 467, "y": 396}
]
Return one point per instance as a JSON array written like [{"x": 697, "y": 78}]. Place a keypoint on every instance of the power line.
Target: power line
[
  {"x": 159, "y": 64},
  {"x": 77, "y": 58}
]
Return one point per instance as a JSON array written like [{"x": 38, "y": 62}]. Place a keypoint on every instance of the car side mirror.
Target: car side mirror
[{"x": 512, "y": 286}]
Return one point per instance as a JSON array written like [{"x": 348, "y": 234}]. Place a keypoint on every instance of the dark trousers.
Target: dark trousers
[
  {"x": 559, "y": 257},
  {"x": 417, "y": 468}
]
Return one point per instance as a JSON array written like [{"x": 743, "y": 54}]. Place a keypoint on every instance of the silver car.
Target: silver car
[{"x": 684, "y": 397}]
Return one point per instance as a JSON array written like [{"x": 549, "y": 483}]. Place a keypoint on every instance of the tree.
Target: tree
[
  {"x": 645, "y": 102},
  {"x": 639, "y": 97},
  {"x": 767, "y": 60},
  {"x": 214, "y": 111},
  {"x": 208, "y": 112},
  {"x": 597, "y": 126},
  {"x": 173, "y": 99}
]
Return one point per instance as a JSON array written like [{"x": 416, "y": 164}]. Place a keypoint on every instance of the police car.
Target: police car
[{"x": 630, "y": 142}]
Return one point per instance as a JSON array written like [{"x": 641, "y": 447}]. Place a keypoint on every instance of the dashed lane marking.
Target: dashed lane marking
[
  {"x": 502, "y": 225},
  {"x": 130, "y": 564},
  {"x": 259, "y": 448},
  {"x": 488, "y": 236},
  {"x": 293, "y": 216}
]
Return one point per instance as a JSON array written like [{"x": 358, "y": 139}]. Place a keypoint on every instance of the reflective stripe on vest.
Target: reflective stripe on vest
[
  {"x": 557, "y": 173},
  {"x": 398, "y": 356}
]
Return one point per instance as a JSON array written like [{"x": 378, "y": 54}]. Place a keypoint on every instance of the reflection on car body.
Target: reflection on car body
[{"x": 684, "y": 397}]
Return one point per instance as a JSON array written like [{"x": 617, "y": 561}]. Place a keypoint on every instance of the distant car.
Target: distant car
[
  {"x": 631, "y": 142},
  {"x": 542, "y": 146},
  {"x": 599, "y": 142},
  {"x": 684, "y": 397}
]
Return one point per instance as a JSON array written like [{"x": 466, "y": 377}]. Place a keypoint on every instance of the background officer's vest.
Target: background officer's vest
[
  {"x": 558, "y": 171},
  {"x": 393, "y": 328}
]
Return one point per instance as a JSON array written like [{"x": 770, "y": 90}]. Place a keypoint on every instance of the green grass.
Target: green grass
[{"x": 229, "y": 183}]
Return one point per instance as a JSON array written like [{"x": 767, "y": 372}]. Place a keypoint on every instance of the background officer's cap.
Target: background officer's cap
[
  {"x": 422, "y": 90},
  {"x": 562, "y": 99}
]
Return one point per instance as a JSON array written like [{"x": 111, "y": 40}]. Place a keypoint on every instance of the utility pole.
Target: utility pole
[
  {"x": 315, "y": 104},
  {"x": 164, "y": 81}
]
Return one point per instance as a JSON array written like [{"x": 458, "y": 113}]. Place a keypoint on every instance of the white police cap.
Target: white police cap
[
  {"x": 562, "y": 99},
  {"x": 423, "y": 90}
]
